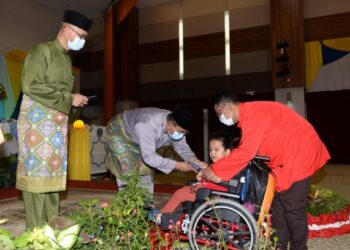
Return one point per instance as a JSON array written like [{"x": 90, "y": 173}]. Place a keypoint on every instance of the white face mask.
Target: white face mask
[
  {"x": 76, "y": 44},
  {"x": 227, "y": 122},
  {"x": 176, "y": 136}
]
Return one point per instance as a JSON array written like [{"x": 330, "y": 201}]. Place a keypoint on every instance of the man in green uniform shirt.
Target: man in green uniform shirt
[{"x": 47, "y": 83}]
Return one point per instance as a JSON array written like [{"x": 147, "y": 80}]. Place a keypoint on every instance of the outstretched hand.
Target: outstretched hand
[{"x": 184, "y": 167}]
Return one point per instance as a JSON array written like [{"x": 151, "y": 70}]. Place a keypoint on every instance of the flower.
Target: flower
[
  {"x": 3, "y": 94},
  {"x": 104, "y": 205}
]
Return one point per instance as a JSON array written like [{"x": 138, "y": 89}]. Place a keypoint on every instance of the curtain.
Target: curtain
[
  {"x": 123, "y": 8},
  {"x": 115, "y": 14},
  {"x": 315, "y": 57},
  {"x": 313, "y": 61},
  {"x": 109, "y": 79},
  {"x": 7, "y": 105},
  {"x": 338, "y": 44}
]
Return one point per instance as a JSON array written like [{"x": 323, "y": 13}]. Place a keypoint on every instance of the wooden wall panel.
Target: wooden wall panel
[
  {"x": 327, "y": 27},
  {"x": 244, "y": 40},
  {"x": 287, "y": 24}
]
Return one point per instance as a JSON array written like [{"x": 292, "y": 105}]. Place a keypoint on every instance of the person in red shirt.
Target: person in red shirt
[{"x": 296, "y": 151}]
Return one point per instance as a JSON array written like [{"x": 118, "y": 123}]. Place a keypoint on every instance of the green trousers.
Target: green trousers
[{"x": 40, "y": 208}]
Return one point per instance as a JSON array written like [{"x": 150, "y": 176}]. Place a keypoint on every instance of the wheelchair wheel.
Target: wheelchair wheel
[{"x": 222, "y": 224}]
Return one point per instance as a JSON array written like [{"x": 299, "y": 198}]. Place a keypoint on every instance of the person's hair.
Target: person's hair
[
  {"x": 170, "y": 118},
  {"x": 225, "y": 97},
  {"x": 225, "y": 138}
]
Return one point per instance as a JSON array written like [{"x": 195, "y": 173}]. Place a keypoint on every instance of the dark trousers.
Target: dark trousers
[{"x": 289, "y": 216}]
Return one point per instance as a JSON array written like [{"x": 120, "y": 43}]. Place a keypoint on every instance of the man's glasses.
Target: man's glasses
[{"x": 76, "y": 32}]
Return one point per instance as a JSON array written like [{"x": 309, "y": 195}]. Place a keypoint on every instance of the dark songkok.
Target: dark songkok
[
  {"x": 77, "y": 19},
  {"x": 184, "y": 117}
]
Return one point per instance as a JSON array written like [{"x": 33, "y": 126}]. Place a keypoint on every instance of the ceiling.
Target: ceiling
[
  {"x": 91, "y": 8},
  {"x": 148, "y": 3}
]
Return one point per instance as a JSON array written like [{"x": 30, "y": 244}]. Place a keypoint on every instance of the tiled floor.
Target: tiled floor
[{"x": 334, "y": 177}]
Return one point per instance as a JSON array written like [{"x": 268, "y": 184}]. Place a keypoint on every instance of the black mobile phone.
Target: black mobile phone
[
  {"x": 196, "y": 167},
  {"x": 92, "y": 97}
]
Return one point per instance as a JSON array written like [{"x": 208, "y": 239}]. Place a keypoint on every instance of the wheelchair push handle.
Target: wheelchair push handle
[{"x": 262, "y": 158}]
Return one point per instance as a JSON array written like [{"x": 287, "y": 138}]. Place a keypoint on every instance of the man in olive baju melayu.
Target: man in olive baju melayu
[{"x": 47, "y": 83}]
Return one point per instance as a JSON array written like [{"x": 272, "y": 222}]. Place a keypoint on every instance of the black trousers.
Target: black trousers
[{"x": 289, "y": 216}]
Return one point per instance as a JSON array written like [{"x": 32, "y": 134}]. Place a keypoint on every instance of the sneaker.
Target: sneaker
[{"x": 155, "y": 216}]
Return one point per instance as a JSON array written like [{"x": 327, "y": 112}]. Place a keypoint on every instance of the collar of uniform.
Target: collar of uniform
[
  {"x": 241, "y": 113},
  {"x": 165, "y": 131},
  {"x": 59, "y": 46}
]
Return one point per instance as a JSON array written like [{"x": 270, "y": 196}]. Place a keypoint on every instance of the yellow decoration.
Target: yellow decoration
[
  {"x": 14, "y": 62},
  {"x": 338, "y": 44},
  {"x": 79, "y": 153},
  {"x": 313, "y": 56},
  {"x": 78, "y": 124},
  {"x": 313, "y": 61}
]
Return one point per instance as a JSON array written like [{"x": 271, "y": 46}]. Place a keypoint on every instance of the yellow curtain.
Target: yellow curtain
[
  {"x": 14, "y": 62},
  {"x": 313, "y": 61},
  {"x": 338, "y": 44}
]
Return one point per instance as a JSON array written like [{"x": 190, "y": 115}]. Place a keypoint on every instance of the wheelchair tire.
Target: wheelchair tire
[{"x": 238, "y": 227}]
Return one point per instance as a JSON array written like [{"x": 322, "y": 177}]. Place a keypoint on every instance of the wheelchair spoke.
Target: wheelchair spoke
[{"x": 209, "y": 223}]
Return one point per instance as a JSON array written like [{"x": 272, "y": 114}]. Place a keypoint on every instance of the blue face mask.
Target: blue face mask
[
  {"x": 176, "y": 136},
  {"x": 76, "y": 44}
]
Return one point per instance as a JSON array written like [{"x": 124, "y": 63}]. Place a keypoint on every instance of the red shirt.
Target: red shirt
[{"x": 274, "y": 130}]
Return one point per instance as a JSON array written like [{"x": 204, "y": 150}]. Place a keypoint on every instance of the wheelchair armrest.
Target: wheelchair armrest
[{"x": 232, "y": 183}]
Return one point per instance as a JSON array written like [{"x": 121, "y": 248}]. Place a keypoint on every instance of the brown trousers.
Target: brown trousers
[{"x": 289, "y": 216}]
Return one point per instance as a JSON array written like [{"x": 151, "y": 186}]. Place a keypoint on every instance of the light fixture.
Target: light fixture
[
  {"x": 227, "y": 41},
  {"x": 181, "y": 44},
  {"x": 289, "y": 102}
]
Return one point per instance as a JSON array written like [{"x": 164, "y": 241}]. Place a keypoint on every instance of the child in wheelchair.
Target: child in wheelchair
[
  {"x": 220, "y": 145},
  {"x": 204, "y": 208}
]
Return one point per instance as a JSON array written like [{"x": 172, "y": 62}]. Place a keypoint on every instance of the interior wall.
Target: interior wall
[
  {"x": 159, "y": 23},
  {"x": 209, "y": 22},
  {"x": 24, "y": 23}
]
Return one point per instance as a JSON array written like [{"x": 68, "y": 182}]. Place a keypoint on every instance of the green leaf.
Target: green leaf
[
  {"x": 73, "y": 230},
  {"x": 68, "y": 241},
  {"x": 5, "y": 233},
  {"x": 22, "y": 241},
  {"x": 6, "y": 243}
]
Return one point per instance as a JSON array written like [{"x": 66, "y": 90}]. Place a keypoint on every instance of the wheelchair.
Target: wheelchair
[{"x": 219, "y": 219}]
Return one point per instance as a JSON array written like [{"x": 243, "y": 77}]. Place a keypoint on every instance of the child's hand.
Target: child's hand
[
  {"x": 199, "y": 176},
  {"x": 209, "y": 175}
]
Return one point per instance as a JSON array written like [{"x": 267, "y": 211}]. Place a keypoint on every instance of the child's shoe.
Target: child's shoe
[{"x": 155, "y": 216}]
